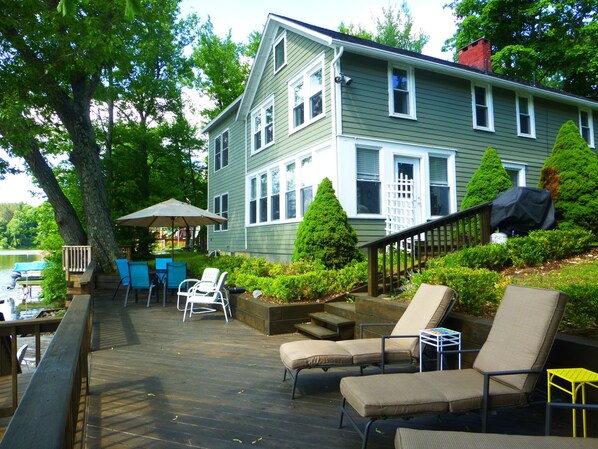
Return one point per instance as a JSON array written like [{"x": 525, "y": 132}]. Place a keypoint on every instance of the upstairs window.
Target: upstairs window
[
  {"x": 221, "y": 151},
  {"x": 262, "y": 126},
  {"x": 221, "y": 208},
  {"x": 483, "y": 113},
  {"x": 280, "y": 52},
  {"x": 526, "y": 126},
  {"x": 306, "y": 96},
  {"x": 402, "y": 92},
  {"x": 368, "y": 181},
  {"x": 586, "y": 127}
]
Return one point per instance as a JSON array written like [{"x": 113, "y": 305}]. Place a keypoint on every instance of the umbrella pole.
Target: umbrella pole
[{"x": 172, "y": 240}]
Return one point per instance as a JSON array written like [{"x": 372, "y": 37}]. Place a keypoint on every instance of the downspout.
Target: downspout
[
  {"x": 336, "y": 115},
  {"x": 245, "y": 186}
]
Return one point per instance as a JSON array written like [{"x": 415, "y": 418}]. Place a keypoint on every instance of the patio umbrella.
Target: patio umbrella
[{"x": 171, "y": 213}]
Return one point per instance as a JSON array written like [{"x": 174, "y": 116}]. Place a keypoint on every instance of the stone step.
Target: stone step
[{"x": 319, "y": 332}]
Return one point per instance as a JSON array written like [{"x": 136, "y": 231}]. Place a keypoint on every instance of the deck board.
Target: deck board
[{"x": 157, "y": 382}]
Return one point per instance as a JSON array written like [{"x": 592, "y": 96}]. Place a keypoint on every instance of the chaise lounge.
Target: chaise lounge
[
  {"x": 503, "y": 375},
  {"x": 428, "y": 308},
  {"x": 431, "y": 439}
]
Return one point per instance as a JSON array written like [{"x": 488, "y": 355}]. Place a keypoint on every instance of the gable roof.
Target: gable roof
[{"x": 372, "y": 49}]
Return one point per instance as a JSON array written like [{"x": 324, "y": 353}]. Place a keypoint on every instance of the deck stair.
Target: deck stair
[{"x": 335, "y": 323}]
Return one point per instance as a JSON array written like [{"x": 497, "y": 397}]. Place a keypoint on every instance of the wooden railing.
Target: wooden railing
[
  {"x": 407, "y": 251},
  {"x": 10, "y": 330},
  {"x": 52, "y": 410},
  {"x": 76, "y": 259}
]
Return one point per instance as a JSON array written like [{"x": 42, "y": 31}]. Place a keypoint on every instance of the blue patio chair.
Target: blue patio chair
[
  {"x": 140, "y": 279},
  {"x": 123, "y": 271},
  {"x": 176, "y": 272},
  {"x": 161, "y": 263}
]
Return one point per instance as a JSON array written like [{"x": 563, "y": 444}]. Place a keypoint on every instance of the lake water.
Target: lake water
[{"x": 9, "y": 299}]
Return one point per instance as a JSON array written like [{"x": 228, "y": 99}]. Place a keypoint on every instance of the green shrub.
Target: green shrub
[
  {"x": 540, "y": 246},
  {"x": 491, "y": 256},
  {"x": 478, "y": 289},
  {"x": 53, "y": 284},
  {"x": 489, "y": 180},
  {"x": 325, "y": 234},
  {"x": 570, "y": 176},
  {"x": 582, "y": 309}
]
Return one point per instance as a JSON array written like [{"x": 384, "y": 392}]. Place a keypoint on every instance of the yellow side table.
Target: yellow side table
[{"x": 578, "y": 378}]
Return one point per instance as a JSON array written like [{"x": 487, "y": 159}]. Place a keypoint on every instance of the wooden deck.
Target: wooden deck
[{"x": 157, "y": 382}]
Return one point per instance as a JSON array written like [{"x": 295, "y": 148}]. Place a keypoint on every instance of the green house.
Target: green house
[{"x": 399, "y": 134}]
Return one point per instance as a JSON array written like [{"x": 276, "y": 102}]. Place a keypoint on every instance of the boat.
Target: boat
[{"x": 27, "y": 273}]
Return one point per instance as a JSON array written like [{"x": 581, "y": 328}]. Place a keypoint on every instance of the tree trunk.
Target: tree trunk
[
  {"x": 69, "y": 226},
  {"x": 100, "y": 229}
]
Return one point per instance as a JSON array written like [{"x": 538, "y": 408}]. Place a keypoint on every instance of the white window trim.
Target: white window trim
[
  {"x": 489, "y": 103},
  {"x": 451, "y": 181},
  {"x": 282, "y": 179},
  {"x": 218, "y": 228},
  {"x": 410, "y": 88},
  {"x": 282, "y": 37},
  {"x": 590, "y": 125},
  {"x": 532, "y": 116},
  {"x": 521, "y": 168},
  {"x": 219, "y": 136},
  {"x": 304, "y": 75},
  {"x": 261, "y": 109}
]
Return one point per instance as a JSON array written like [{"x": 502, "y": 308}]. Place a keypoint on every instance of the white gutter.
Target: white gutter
[
  {"x": 336, "y": 118},
  {"x": 245, "y": 186}
]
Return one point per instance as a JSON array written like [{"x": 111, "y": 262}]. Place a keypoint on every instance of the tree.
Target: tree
[
  {"x": 553, "y": 43},
  {"x": 394, "y": 29},
  {"x": 223, "y": 71},
  {"x": 487, "y": 182},
  {"x": 570, "y": 174},
  {"x": 325, "y": 234}
]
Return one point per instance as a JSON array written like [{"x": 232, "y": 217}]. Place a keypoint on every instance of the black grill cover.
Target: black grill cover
[{"x": 519, "y": 210}]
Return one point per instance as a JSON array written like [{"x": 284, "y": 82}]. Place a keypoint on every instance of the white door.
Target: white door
[{"x": 403, "y": 195}]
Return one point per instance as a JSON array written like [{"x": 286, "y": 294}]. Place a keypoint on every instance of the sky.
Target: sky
[{"x": 242, "y": 17}]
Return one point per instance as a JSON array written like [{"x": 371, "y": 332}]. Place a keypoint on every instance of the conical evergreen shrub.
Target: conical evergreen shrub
[
  {"x": 489, "y": 180},
  {"x": 325, "y": 234},
  {"x": 571, "y": 176}
]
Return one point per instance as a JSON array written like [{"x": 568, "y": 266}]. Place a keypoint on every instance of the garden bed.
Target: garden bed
[{"x": 270, "y": 318}]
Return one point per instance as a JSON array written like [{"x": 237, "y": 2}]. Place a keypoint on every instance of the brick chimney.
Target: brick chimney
[{"x": 477, "y": 54}]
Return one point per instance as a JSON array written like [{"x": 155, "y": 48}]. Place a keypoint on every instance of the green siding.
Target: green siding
[{"x": 444, "y": 118}]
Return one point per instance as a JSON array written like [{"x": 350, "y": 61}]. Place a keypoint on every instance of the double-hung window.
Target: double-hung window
[
  {"x": 262, "y": 126},
  {"x": 306, "y": 184},
  {"x": 440, "y": 191},
  {"x": 483, "y": 112},
  {"x": 306, "y": 96},
  {"x": 253, "y": 200},
  {"x": 263, "y": 197},
  {"x": 290, "y": 193},
  {"x": 275, "y": 194},
  {"x": 280, "y": 52},
  {"x": 221, "y": 151},
  {"x": 402, "y": 92},
  {"x": 368, "y": 181},
  {"x": 221, "y": 208},
  {"x": 586, "y": 126},
  {"x": 526, "y": 126}
]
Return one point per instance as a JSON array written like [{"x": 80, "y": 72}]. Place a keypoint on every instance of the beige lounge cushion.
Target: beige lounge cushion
[
  {"x": 302, "y": 354},
  {"x": 425, "y": 310},
  {"x": 522, "y": 334},
  {"x": 427, "y": 392},
  {"x": 430, "y": 439},
  {"x": 368, "y": 350}
]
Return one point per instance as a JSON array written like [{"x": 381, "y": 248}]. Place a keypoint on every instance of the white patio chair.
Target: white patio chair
[
  {"x": 208, "y": 281},
  {"x": 207, "y": 300}
]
